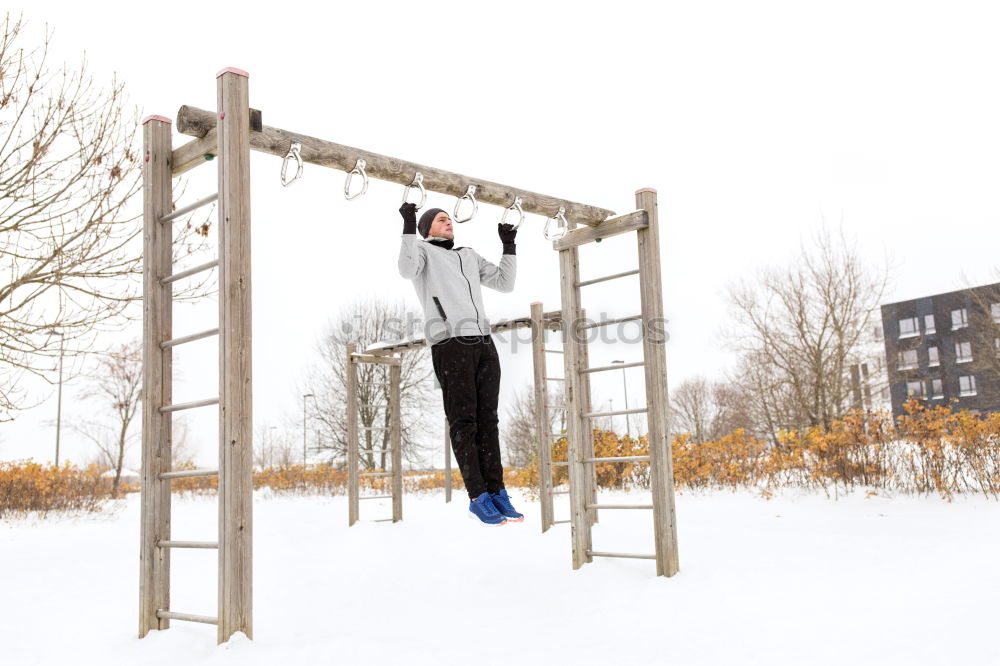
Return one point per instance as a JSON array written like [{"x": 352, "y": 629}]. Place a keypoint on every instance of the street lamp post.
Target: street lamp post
[
  {"x": 304, "y": 430},
  {"x": 62, "y": 339},
  {"x": 628, "y": 428}
]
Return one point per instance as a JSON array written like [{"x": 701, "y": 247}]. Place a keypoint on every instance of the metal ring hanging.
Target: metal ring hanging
[
  {"x": 514, "y": 206},
  {"x": 359, "y": 168},
  {"x": 470, "y": 194},
  {"x": 418, "y": 181},
  {"x": 561, "y": 224},
  {"x": 293, "y": 151}
]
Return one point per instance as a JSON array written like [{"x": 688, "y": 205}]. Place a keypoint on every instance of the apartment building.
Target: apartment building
[{"x": 945, "y": 349}]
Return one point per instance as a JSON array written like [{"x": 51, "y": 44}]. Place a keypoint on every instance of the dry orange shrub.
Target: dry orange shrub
[
  {"x": 930, "y": 449},
  {"x": 30, "y": 487}
]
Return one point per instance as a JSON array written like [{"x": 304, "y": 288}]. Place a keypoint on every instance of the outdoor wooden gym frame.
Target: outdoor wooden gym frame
[{"x": 229, "y": 134}]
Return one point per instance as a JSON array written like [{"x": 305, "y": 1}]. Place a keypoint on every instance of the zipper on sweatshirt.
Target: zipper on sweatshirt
[{"x": 461, "y": 267}]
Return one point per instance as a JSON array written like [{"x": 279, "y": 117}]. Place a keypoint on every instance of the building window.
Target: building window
[
  {"x": 937, "y": 388},
  {"x": 995, "y": 310},
  {"x": 967, "y": 385},
  {"x": 908, "y": 327},
  {"x": 963, "y": 352},
  {"x": 929, "y": 324},
  {"x": 915, "y": 389},
  {"x": 932, "y": 357},
  {"x": 907, "y": 359},
  {"x": 959, "y": 318}
]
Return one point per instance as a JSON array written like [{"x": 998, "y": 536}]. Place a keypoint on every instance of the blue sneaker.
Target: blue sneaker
[
  {"x": 482, "y": 508},
  {"x": 501, "y": 501}
]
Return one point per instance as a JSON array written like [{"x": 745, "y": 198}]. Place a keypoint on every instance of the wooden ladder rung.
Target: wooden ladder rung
[
  {"x": 559, "y": 464},
  {"x": 187, "y": 544},
  {"x": 189, "y": 405},
  {"x": 553, "y": 351},
  {"x": 376, "y": 474},
  {"x": 187, "y": 617},
  {"x": 184, "y": 210},
  {"x": 636, "y": 556},
  {"x": 609, "y": 322},
  {"x": 607, "y": 277},
  {"x": 619, "y": 506},
  {"x": 367, "y": 497},
  {"x": 189, "y": 473},
  {"x": 616, "y": 366},
  {"x": 189, "y": 338},
  {"x": 611, "y": 459},
  {"x": 594, "y": 415},
  {"x": 190, "y": 271},
  {"x": 555, "y": 379},
  {"x": 559, "y": 522},
  {"x": 560, "y": 492}
]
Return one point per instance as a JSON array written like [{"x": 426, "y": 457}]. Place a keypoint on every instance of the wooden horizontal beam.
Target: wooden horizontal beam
[
  {"x": 552, "y": 321},
  {"x": 371, "y": 358},
  {"x": 194, "y": 152},
  {"x": 611, "y": 227},
  {"x": 199, "y": 123}
]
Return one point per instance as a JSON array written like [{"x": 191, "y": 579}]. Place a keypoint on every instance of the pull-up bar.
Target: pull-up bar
[{"x": 201, "y": 124}]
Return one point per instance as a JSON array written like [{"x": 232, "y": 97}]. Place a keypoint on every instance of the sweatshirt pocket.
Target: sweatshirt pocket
[{"x": 440, "y": 309}]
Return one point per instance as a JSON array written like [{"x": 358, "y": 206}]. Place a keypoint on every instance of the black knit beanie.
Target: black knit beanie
[{"x": 424, "y": 226}]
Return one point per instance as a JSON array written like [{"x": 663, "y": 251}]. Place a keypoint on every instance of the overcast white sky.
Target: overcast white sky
[{"x": 754, "y": 121}]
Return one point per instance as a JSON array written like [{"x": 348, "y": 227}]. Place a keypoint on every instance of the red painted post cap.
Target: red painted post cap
[
  {"x": 234, "y": 70},
  {"x": 162, "y": 119}
]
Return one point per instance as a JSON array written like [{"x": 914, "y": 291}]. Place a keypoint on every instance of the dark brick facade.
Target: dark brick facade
[{"x": 978, "y": 337}]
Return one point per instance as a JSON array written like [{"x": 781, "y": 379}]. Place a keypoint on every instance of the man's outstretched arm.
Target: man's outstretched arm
[
  {"x": 411, "y": 252},
  {"x": 501, "y": 277}
]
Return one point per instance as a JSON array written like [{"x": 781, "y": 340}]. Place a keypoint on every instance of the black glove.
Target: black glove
[
  {"x": 507, "y": 232},
  {"x": 409, "y": 213}
]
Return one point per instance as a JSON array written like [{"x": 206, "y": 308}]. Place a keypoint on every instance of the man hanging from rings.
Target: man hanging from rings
[{"x": 447, "y": 280}]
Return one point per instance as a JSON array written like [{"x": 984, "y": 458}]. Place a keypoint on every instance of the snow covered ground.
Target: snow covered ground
[{"x": 799, "y": 579}]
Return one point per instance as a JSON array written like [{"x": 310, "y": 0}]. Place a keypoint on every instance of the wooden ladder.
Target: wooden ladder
[
  {"x": 354, "y": 475},
  {"x": 233, "y": 542},
  {"x": 582, "y": 461}
]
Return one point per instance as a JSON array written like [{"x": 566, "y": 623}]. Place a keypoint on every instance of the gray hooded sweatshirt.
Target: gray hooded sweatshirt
[{"x": 447, "y": 282}]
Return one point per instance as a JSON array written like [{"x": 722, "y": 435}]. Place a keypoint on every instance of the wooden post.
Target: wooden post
[
  {"x": 235, "y": 359},
  {"x": 351, "y": 372},
  {"x": 655, "y": 352},
  {"x": 544, "y": 443},
  {"x": 395, "y": 443},
  {"x": 569, "y": 275},
  {"x": 447, "y": 461},
  {"x": 588, "y": 438},
  {"x": 157, "y": 386}
]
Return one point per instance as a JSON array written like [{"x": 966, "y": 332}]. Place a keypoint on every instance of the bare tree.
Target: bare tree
[
  {"x": 709, "y": 410},
  {"x": 117, "y": 384},
  {"x": 800, "y": 328},
  {"x": 70, "y": 231},
  {"x": 365, "y": 322},
  {"x": 692, "y": 407},
  {"x": 520, "y": 436},
  {"x": 274, "y": 447}
]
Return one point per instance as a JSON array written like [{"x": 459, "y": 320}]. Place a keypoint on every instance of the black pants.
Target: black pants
[{"x": 468, "y": 369}]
